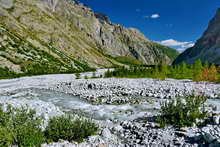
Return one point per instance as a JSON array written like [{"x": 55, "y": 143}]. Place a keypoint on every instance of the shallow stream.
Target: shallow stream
[{"x": 81, "y": 107}]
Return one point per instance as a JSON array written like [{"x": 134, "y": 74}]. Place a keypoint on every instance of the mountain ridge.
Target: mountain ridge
[
  {"x": 70, "y": 36},
  {"x": 207, "y": 48}
]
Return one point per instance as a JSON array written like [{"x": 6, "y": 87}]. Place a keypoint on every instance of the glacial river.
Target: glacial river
[{"x": 32, "y": 88}]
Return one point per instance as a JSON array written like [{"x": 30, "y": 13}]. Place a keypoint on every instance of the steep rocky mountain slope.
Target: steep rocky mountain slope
[
  {"x": 54, "y": 36},
  {"x": 207, "y": 48}
]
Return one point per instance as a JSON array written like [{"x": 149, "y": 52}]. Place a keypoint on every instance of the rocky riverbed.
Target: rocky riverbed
[
  {"x": 124, "y": 109},
  {"x": 115, "y": 90}
]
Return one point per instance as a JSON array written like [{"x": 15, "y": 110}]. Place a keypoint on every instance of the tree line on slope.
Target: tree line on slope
[{"x": 197, "y": 72}]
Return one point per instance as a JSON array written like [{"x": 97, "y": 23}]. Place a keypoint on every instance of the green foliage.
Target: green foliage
[
  {"x": 83, "y": 66},
  {"x": 182, "y": 111},
  {"x": 70, "y": 129},
  {"x": 6, "y": 137},
  {"x": 20, "y": 127},
  {"x": 77, "y": 75},
  {"x": 208, "y": 74},
  {"x": 195, "y": 72},
  {"x": 39, "y": 61},
  {"x": 6, "y": 73},
  {"x": 206, "y": 64},
  {"x": 198, "y": 68},
  {"x": 171, "y": 53}
]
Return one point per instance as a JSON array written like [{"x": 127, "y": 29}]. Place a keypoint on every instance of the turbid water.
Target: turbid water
[{"x": 81, "y": 107}]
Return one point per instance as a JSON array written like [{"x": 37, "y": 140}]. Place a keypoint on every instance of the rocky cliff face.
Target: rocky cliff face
[
  {"x": 207, "y": 48},
  {"x": 64, "y": 35}
]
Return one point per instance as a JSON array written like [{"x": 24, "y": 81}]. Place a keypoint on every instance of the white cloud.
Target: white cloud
[
  {"x": 172, "y": 42},
  {"x": 154, "y": 16},
  {"x": 180, "y": 46}
]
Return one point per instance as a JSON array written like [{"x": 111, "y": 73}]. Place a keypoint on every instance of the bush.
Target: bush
[
  {"x": 20, "y": 127},
  {"x": 70, "y": 129},
  {"x": 30, "y": 136},
  {"x": 208, "y": 74},
  {"x": 77, "y": 75},
  {"x": 182, "y": 112},
  {"x": 6, "y": 137}
]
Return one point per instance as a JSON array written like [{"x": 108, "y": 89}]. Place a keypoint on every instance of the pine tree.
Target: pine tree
[
  {"x": 197, "y": 70},
  {"x": 213, "y": 73},
  {"x": 164, "y": 69},
  {"x": 206, "y": 65},
  {"x": 198, "y": 66},
  {"x": 156, "y": 72},
  {"x": 183, "y": 70}
]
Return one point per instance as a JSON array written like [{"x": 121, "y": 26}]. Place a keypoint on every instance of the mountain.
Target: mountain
[
  {"x": 55, "y": 36},
  {"x": 207, "y": 48}
]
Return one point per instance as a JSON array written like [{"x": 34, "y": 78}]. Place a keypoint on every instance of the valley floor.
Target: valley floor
[{"x": 124, "y": 109}]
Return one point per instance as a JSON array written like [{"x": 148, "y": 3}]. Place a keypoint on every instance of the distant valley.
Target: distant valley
[{"x": 50, "y": 36}]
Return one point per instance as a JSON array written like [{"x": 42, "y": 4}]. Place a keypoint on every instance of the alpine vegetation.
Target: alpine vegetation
[
  {"x": 21, "y": 127},
  {"x": 183, "y": 111}
]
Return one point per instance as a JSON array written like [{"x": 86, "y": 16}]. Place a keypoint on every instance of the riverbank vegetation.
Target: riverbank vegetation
[
  {"x": 23, "y": 128},
  {"x": 66, "y": 128},
  {"x": 38, "y": 69},
  {"x": 196, "y": 72},
  {"x": 183, "y": 111}
]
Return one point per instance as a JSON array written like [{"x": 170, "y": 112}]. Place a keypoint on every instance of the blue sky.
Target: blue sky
[{"x": 176, "y": 23}]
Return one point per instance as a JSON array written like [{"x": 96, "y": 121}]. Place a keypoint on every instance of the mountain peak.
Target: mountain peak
[
  {"x": 103, "y": 18},
  {"x": 207, "y": 48}
]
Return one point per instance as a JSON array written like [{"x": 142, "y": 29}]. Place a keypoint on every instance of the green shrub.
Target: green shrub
[
  {"x": 29, "y": 136},
  {"x": 6, "y": 137},
  {"x": 20, "y": 127},
  {"x": 182, "y": 111},
  {"x": 70, "y": 129},
  {"x": 77, "y": 75}
]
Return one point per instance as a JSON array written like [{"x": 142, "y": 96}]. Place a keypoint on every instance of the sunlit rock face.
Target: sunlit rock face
[
  {"x": 51, "y": 4},
  {"x": 207, "y": 48},
  {"x": 65, "y": 34}
]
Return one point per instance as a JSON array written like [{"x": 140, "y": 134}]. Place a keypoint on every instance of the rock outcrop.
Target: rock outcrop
[
  {"x": 207, "y": 48},
  {"x": 63, "y": 35}
]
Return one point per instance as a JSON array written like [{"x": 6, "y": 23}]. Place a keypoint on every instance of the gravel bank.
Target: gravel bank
[{"x": 115, "y": 90}]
